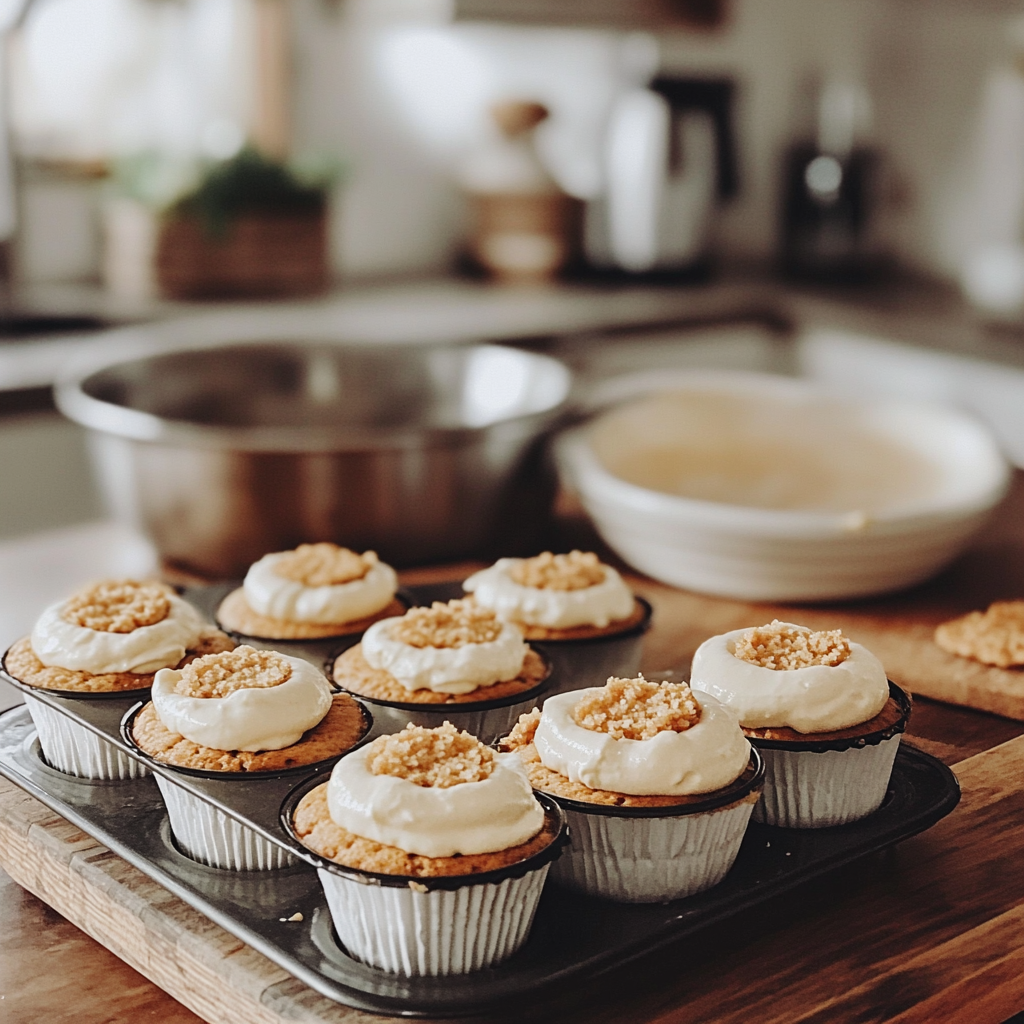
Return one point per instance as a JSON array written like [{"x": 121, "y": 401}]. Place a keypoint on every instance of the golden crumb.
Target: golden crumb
[
  {"x": 994, "y": 637},
  {"x": 118, "y": 606},
  {"x": 454, "y": 624},
  {"x": 440, "y": 757},
  {"x": 524, "y": 730},
  {"x": 217, "y": 675},
  {"x": 324, "y": 565},
  {"x": 634, "y": 709},
  {"x": 574, "y": 571},
  {"x": 782, "y": 646}
]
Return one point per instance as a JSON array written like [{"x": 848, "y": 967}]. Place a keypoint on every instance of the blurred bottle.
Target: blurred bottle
[
  {"x": 525, "y": 228},
  {"x": 830, "y": 191},
  {"x": 992, "y": 271}
]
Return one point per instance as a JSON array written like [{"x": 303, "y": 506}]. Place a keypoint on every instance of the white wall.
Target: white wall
[{"x": 925, "y": 63}]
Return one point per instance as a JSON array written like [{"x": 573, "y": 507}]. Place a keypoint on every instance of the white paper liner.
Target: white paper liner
[
  {"x": 803, "y": 789},
  {"x": 75, "y": 750},
  {"x": 486, "y": 726},
  {"x": 651, "y": 860},
  {"x": 210, "y": 836},
  {"x": 417, "y": 933}
]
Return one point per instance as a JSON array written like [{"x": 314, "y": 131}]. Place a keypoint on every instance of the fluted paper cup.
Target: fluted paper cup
[
  {"x": 437, "y": 925},
  {"x": 206, "y": 834},
  {"x": 822, "y": 783},
  {"x": 833, "y": 787},
  {"x": 203, "y": 831},
  {"x": 76, "y": 750},
  {"x": 656, "y": 854},
  {"x": 415, "y": 933}
]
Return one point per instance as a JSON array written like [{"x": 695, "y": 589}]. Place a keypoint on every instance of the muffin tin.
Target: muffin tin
[{"x": 574, "y": 936}]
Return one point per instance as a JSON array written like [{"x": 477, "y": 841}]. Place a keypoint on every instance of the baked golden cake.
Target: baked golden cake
[
  {"x": 801, "y": 694},
  {"x": 444, "y": 827},
  {"x": 240, "y": 714},
  {"x": 570, "y": 596},
  {"x": 644, "y": 771},
  {"x": 312, "y": 592}
]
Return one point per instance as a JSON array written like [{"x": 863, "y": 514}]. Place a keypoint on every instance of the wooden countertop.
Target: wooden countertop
[{"x": 932, "y": 930}]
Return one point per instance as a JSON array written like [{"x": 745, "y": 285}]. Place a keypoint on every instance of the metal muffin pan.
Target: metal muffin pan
[{"x": 574, "y": 937}]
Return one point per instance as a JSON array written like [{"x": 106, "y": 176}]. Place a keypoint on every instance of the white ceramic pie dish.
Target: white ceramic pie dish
[{"x": 882, "y": 496}]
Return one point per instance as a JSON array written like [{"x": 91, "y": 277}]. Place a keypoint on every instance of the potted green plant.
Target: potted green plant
[{"x": 251, "y": 226}]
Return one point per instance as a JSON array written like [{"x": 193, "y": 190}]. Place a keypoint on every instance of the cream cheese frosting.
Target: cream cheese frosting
[
  {"x": 445, "y": 669},
  {"x": 472, "y": 817},
  {"x": 62, "y": 644},
  {"x": 595, "y": 605},
  {"x": 816, "y": 698},
  {"x": 707, "y": 756},
  {"x": 251, "y": 718},
  {"x": 280, "y": 598}
]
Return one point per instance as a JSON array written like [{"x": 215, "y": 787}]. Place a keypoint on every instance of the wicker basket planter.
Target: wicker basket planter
[{"x": 257, "y": 254}]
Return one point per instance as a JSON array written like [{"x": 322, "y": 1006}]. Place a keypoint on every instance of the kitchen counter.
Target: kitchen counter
[{"x": 928, "y": 931}]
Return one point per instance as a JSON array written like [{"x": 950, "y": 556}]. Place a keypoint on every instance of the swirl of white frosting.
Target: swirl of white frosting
[
  {"x": 251, "y": 718},
  {"x": 62, "y": 644},
  {"x": 818, "y": 698},
  {"x": 281, "y": 598},
  {"x": 703, "y": 758},
  {"x": 446, "y": 669},
  {"x": 596, "y": 605},
  {"x": 471, "y": 817}
]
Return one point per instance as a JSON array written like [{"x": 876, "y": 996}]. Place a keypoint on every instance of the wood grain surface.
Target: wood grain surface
[{"x": 930, "y": 931}]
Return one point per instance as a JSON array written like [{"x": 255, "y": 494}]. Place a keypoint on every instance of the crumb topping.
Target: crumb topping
[
  {"x": 523, "y": 731},
  {"x": 455, "y": 624},
  {"x": 324, "y": 565},
  {"x": 441, "y": 757},
  {"x": 118, "y": 606},
  {"x": 217, "y": 675},
  {"x": 781, "y": 646},
  {"x": 635, "y": 709},
  {"x": 574, "y": 571},
  {"x": 993, "y": 637}
]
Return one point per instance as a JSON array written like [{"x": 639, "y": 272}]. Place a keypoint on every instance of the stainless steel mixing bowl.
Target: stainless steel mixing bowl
[{"x": 423, "y": 453}]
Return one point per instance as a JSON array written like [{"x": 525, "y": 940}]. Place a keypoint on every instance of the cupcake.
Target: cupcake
[
  {"x": 578, "y": 610},
  {"x": 820, "y": 710},
  {"x": 657, "y": 784},
  {"x": 433, "y": 851},
  {"x": 106, "y": 640},
  {"x": 453, "y": 661},
  {"x": 315, "y": 592},
  {"x": 238, "y": 715}
]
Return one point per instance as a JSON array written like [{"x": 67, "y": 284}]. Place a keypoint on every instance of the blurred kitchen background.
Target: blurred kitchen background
[{"x": 829, "y": 187}]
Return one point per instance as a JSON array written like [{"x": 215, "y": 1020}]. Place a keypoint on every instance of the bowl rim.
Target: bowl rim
[
  {"x": 137, "y": 425},
  {"x": 587, "y": 474}
]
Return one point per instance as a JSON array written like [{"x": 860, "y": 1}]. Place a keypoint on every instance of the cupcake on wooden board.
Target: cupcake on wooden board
[
  {"x": 821, "y": 711},
  {"x": 430, "y": 825},
  {"x": 237, "y": 715},
  {"x": 314, "y": 592},
  {"x": 657, "y": 782},
  {"x": 454, "y": 661},
  {"x": 107, "y": 639},
  {"x": 577, "y": 609}
]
